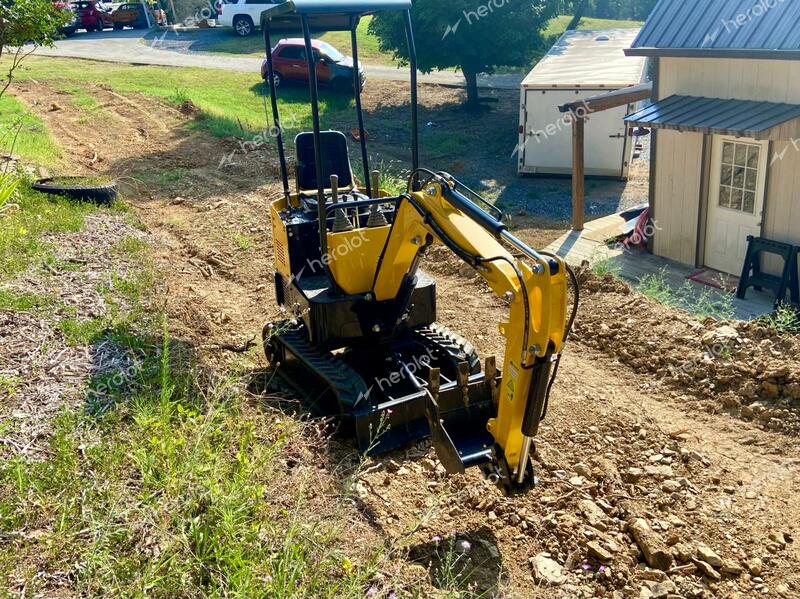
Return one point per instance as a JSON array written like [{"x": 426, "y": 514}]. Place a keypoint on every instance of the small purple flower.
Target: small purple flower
[
  {"x": 372, "y": 591},
  {"x": 392, "y": 595},
  {"x": 602, "y": 569},
  {"x": 437, "y": 539}
]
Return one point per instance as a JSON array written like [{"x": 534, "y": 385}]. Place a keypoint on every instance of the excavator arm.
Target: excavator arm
[{"x": 533, "y": 285}]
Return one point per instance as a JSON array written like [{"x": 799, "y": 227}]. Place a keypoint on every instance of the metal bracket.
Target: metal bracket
[
  {"x": 462, "y": 377},
  {"x": 440, "y": 438},
  {"x": 490, "y": 372}
]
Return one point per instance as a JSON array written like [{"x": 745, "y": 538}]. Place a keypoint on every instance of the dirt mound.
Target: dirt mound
[{"x": 743, "y": 368}]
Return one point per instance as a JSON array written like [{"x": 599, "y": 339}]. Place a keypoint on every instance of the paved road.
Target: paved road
[{"x": 179, "y": 49}]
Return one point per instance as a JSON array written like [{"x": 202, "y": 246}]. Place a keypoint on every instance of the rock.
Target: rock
[
  {"x": 491, "y": 548},
  {"x": 652, "y": 546},
  {"x": 682, "y": 552},
  {"x": 755, "y": 566},
  {"x": 731, "y": 567},
  {"x": 670, "y": 486},
  {"x": 778, "y": 538},
  {"x": 783, "y": 590},
  {"x": 583, "y": 470},
  {"x": 721, "y": 334},
  {"x": 598, "y": 551},
  {"x": 706, "y": 569},
  {"x": 708, "y": 555},
  {"x": 634, "y": 474},
  {"x": 595, "y": 516},
  {"x": 659, "y": 472},
  {"x": 547, "y": 571},
  {"x": 661, "y": 590}
]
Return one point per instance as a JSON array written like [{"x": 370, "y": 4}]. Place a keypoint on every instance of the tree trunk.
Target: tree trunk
[
  {"x": 576, "y": 19},
  {"x": 472, "y": 89}
]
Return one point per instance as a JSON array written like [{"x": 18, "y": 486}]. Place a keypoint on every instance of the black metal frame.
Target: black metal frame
[{"x": 314, "y": 97}]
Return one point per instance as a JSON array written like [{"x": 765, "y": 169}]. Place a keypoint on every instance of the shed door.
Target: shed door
[{"x": 735, "y": 200}]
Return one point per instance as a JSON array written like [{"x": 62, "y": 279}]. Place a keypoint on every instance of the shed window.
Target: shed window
[{"x": 739, "y": 176}]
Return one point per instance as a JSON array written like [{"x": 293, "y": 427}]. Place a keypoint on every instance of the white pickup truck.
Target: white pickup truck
[{"x": 244, "y": 15}]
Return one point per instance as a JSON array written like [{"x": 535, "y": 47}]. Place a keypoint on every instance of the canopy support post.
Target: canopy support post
[
  {"x": 412, "y": 53},
  {"x": 274, "y": 102},
  {"x": 354, "y": 20},
  {"x": 322, "y": 214}
]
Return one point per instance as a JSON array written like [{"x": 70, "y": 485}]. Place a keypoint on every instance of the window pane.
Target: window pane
[
  {"x": 736, "y": 199},
  {"x": 738, "y": 177},
  {"x": 751, "y": 179},
  {"x": 726, "y": 175},
  {"x": 749, "y": 202},
  {"x": 727, "y": 152},
  {"x": 753, "y": 153},
  {"x": 725, "y": 197},
  {"x": 741, "y": 155}
]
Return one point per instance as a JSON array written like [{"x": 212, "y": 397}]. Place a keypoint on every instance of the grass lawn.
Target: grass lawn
[
  {"x": 253, "y": 45},
  {"x": 559, "y": 25},
  {"x": 231, "y": 103},
  {"x": 24, "y": 134},
  {"x": 161, "y": 483}
]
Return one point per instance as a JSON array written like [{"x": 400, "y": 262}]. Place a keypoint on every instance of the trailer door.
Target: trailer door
[{"x": 548, "y": 135}]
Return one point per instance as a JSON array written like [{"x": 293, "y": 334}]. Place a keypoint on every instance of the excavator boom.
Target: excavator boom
[{"x": 533, "y": 286}]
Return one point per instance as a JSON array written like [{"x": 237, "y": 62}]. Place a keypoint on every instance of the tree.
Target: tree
[
  {"x": 475, "y": 36},
  {"x": 24, "y": 26}
]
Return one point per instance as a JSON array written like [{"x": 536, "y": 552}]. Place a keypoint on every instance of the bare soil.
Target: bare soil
[{"x": 632, "y": 431}]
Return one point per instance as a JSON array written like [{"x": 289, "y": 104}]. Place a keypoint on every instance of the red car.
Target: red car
[
  {"x": 92, "y": 16},
  {"x": 333, "y": 68}
]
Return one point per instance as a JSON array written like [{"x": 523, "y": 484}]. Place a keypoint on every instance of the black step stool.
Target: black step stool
[{"x": 753, "y": 277}]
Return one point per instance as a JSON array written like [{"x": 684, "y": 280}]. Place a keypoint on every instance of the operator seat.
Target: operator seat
[{"x": 335, "y": 160}]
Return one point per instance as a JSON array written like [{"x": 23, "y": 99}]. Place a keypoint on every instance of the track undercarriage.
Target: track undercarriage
[{"x": 382, "y": 392}]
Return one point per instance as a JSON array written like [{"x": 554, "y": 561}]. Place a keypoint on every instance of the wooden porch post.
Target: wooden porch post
[{"x": 578, "y": 182}]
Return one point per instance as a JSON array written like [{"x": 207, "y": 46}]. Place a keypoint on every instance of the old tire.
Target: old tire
[
  {"x": 77, "y": 190},
  {"x": 243, "y": 25}
]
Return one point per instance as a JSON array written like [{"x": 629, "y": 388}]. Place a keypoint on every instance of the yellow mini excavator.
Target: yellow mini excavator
[{"x": 361, "y": 340}]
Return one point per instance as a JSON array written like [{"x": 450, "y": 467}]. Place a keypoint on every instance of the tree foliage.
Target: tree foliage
[
  {"x": 636, "y": 10},
  {"x": 25, "y": 25},
  {"x": 30, "y": 21},
  {"x": 475, "y": 36}
]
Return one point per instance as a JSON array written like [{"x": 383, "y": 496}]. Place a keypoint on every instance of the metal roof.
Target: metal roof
[
  {"x": 311, "y": 7},
  {"x": 768, "y": 28},
  {"x": 743, "y": 118},
  {"x": 330, "y": 15},
  {"x": 588, "y": 59}
]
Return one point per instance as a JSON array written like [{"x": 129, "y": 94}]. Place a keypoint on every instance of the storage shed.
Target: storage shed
[
  {"x": 580, "y": 65},
  {"x": 726, "y": 128}
]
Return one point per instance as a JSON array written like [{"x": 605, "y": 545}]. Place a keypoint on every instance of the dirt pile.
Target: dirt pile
[
  {"x": 623, "y": 509},
  {"x": 743, "y": 368}
]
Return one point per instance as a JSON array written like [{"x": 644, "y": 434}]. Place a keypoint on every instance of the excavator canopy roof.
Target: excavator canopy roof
[{"x": 329, "y": 15}]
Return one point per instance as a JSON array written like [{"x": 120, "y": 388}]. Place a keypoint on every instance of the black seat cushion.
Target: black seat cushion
[{"x": 335, "y": 160}]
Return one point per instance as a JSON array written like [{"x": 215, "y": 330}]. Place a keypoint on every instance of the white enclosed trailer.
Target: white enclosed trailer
[{"x": 581, "y": 64}]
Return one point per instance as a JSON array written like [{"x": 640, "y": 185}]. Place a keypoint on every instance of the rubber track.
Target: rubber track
[
  {"x": 347, "y": 384},
  {"x": 456, "y": 347}
]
